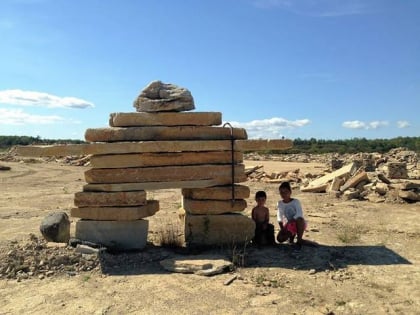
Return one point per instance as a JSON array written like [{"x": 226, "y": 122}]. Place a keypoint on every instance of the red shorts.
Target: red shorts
[{"x": 291, "y": 227}]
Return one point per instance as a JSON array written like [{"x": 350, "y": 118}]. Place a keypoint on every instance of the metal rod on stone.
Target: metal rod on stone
[{"x": 232, "y": 160}]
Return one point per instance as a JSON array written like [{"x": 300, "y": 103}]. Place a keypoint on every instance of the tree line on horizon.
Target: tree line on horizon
[{"x": 312, "y": 145}]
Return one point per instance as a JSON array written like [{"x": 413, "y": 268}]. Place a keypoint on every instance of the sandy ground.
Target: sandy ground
[{"x": 367, "y": 261}]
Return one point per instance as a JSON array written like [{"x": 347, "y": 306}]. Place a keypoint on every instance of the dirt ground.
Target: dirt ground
[{"x": 367, "y": 262}]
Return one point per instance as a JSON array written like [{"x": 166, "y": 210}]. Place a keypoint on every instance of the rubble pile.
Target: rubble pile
[{"x": 37, "y": 258}]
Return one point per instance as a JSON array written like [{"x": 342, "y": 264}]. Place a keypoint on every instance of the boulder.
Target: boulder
[
  {"x": 55, "y": 227},
  {"x": 164, "y": 97}
]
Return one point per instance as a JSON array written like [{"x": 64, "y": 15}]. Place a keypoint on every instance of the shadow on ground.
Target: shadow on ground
[
  {"x": 283, "y": 256},
  {"x": 322, "y": 257}
]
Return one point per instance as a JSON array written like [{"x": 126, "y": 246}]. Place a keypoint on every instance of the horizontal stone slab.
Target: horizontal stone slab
[
  {"x": 164, "y": 159},
  {"x": 150, "y": 146},
  {"x": 164, "y": 185},
  {"x": 116, "y": 213},
  {"x": 194, "y": 206},
  {"x": 119, "y": 235},
  {"x": 161, "y": 174},
  {"x": 264, "y": 145},
  {"x": 165, "y": 119},
  {"x": 109, "y": 199},
  {"x": 218, "y": 192},
  {"x": 162, "y": 133},
  {"x": 229, "y": 229}
]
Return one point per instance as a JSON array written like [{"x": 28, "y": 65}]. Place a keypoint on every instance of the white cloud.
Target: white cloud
[
  {"x": 357, "y": 124},
  {"x": 269, "y": 128},
  {"x": 19, "y": 117},
  {"x": 318, "y": 8},
  {"x": 40, "y": 99},
  {"x": 403, "y": 124}
]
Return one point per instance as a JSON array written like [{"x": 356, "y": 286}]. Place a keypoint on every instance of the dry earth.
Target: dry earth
[{"x": 367, "y": 262}]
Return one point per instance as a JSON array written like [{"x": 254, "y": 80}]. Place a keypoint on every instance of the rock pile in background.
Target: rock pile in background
[{"x": 391, "y": 177}]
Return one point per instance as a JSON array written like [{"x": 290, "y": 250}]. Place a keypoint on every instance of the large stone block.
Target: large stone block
[
  {"x": 229, "y": 229},
  {"x": 117, "y": 213},
  {"x": 194, "y": 206},
  {"x": 109, "y": 199},
  {"x": 120, "y": 235},
  {"x": 164, "y": 159},
  {"x": 165, "y": 119},
  {"x": 218, "y": 192},
  {"x": 165, "y": 185},
  {"x": 151, "y": 146},
  {"x": 162, "y": 174},
  {"x": 162, "y": 133}
]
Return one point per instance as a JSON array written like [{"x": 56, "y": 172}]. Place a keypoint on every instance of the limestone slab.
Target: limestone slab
[
  {"x": 220, "y": 229},
  {"x": 120, "y": 235},
  {"x": 263, "y": 145},
  {"x": 117, "y": 213},
  {"x": 194, "y": 206},
  {"x": 322, "y": 181},
  {"x": 156, "y": 133},
  {"x": 108, "y": 199},
  {"x": 164, "y": 185},
  {"x": 143, "y": 146},
  {"x": 165, "y": 119},
  {"x": 353, "y": 181},
  {"x": 164, "y": 159},
  {"x": 218, "y": 192},
  {"x": 161, "y": 174},
  {"x": 202, "y": 265}
]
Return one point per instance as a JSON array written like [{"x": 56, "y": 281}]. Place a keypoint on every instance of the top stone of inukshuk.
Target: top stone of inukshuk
[{"x": 163, "y": 97}]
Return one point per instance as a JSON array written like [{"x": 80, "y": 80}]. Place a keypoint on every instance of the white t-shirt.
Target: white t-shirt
[{"x": 289, "y": 211}]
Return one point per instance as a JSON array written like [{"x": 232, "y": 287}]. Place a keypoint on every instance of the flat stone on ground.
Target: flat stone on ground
[{"x": 202, "y": 265}]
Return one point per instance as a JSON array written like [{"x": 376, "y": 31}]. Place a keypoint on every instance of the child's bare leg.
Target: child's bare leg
[{"x": 300, "y": 227}]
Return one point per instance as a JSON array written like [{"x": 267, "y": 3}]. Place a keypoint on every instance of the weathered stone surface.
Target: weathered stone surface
[
  {"x": 159, "y": 97},
  {"x": 202, "y": 265},
  {"x": 121, "y": 235},
  {"x": 336, "y": 184},
  {"x": 263, "y": 145},
  {"x": 164, "y": 159},
  {"x": 156, "y": 133},
  {"x": 108, "y": 199},
  {"x": 218, "y": 192},
  {"x": 409, "y": 195},
  {"x": 139, "y": 147},
  {"x": 381, "y": 188},
  {"x": 117, "y": 213},
  {"x": 164, "y": 185},
  {"x": 218, "y": 229},
  {"x": 162, "y": 174},
  {"x": 194, "y": 206},
  {"x": 320, "y": 184},
  {"x": 55, "y": 227},
  {"x": 165, "y": 119},
  {"x": 396, "y": 170},
  {"x": 353, "y": 181}
]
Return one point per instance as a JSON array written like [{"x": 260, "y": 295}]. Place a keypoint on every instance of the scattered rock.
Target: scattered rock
[
  {"x": 55, "y": 227},
  {"x": 203, "y": 265}
]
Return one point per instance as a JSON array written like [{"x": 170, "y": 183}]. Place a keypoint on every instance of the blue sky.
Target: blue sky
[{"x": 328, "y": 69}]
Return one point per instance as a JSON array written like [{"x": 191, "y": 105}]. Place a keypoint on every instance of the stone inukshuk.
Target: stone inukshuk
[{"x": 191, "y": 151}]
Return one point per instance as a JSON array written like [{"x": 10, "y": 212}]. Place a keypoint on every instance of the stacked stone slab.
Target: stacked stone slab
[{"x": 189, "y": 150}]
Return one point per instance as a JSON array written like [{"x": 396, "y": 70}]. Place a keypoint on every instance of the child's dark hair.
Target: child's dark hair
[
  {"x": 260, "y": 194},
  {"x": 285, "y": 185}
]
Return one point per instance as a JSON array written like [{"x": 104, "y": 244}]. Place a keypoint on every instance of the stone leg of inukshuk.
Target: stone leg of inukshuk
[{"x": 182, "y": 150}]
